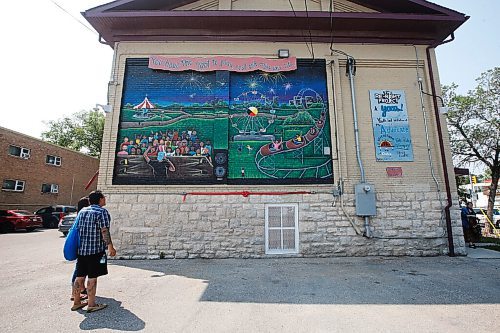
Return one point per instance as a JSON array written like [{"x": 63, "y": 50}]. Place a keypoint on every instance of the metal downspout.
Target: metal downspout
[
  {"x": 350, "y": 71},
  {"x": 451, "y": 246}
]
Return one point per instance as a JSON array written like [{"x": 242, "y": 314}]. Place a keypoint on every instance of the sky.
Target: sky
[{"x": 53, "y": 66}]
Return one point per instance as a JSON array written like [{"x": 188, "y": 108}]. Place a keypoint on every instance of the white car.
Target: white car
[{"x": 482, "y": 217}]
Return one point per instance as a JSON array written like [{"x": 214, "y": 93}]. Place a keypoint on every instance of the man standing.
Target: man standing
[{"x": 93, "y": 229}]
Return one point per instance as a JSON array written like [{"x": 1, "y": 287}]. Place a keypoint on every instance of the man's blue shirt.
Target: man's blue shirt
[{"x": 90, "y": 222}]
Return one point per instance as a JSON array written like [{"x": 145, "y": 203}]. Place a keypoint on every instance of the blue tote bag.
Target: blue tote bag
[{"x": 72, "y": 242}]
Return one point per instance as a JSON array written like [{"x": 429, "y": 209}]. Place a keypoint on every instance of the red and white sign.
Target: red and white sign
[
  {"x": 207, "y": 64},
  {"x": 394, "y": 172}
]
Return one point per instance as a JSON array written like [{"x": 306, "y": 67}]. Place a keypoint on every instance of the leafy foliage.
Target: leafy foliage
[
  {"x": 300, "y": 118},
  {"x": 82, "y": 132},
  {"x": 474, "y": 126}
]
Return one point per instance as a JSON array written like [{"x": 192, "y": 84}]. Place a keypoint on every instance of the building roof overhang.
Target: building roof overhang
[{"x": 405, "y": 21}]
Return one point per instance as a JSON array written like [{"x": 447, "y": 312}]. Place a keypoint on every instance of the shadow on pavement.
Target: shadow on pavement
[
  {"x": 372, "y": 280},
  {"x": 114, "y": 317}
]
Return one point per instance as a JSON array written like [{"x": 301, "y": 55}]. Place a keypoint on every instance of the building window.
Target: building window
[
  {"x": 282, "y": 229},
  {"x": 54, "y": 160},
  {"x": 50, "y": 188},
  {"x": 19, "y": 151},
  {"x": 13, "y": 185}
]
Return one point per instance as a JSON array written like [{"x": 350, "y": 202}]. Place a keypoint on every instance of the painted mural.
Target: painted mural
[
  {"x": 391, "y": 129},
  {"x": 189, "y": 127}
]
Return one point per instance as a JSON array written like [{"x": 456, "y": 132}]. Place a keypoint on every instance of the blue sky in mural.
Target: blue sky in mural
[
  {"x": 283, "y": 85},
  {"x": 164, "y": 88}
]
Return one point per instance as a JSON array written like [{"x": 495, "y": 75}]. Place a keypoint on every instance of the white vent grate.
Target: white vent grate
[{"x": 282, "y": 233}]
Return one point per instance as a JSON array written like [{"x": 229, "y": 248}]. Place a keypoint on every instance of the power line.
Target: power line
[
  {"x": 302, "y": 31},
  {"x": 331, "y": 24},
  {"x": 73, "y": 17},
  {"x": 309, "y": 28}
]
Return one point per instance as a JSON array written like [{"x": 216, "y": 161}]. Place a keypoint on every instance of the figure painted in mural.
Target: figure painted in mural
[
  {"x": 151, "y": 152},
  {"x": 276, "y": 145},
  {"x": 124, "y": 151},
  {"x": 95, "y": 238},
  {"x": 208, "y": 145},
  {"x": 161, "y": 145},
  {"x": 144, "y": 147},
  {"x": 193, "y": 136},
  {"x": 297, "y": 139},
  {"x": 470, "y": 225},
  {"x": 205, "y": 152},
  {"x": 160, "y": 166},
  {"x": 169, "y": 152},
  {"x": 125, "y": 143}
]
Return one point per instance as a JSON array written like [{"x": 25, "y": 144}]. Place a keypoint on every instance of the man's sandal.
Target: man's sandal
[
  {"x": 97, "y": 307},
  {"x": 78, "y": 306}
]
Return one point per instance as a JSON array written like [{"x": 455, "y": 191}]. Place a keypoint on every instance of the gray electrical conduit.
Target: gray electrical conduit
[
  {"x": 350, "y": 69},
  {"x": 337, "y": 143}
]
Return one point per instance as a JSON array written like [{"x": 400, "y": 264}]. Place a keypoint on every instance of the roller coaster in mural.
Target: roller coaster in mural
[{"x": 267, "y": 154}]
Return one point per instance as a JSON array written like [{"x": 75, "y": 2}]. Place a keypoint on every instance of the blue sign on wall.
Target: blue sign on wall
[{"x": 390, "y": 126}]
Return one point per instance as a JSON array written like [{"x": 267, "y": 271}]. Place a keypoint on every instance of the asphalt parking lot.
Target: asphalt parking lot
[{"x": 371, "y": 294}]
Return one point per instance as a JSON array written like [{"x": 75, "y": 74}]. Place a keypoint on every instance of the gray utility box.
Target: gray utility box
[{"x": 366, "y": 203}]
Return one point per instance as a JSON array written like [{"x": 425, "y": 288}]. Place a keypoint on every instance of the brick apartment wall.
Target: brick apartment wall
[
  {"x": 152, "y": 221},
  {"x": 72, "y": 175}
]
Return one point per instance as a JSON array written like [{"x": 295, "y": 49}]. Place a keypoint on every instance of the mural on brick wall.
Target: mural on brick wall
[{"x": 190, "y": 127}]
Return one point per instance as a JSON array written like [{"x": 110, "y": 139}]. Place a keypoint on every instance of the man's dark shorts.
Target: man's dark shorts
[{"x": 92, "y": 266}]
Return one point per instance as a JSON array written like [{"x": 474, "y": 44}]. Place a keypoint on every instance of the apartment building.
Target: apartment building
[{"x": 35, "y": 173}]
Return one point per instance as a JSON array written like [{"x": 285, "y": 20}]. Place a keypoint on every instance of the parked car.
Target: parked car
[
  {"x": 51, "y": 215},
  {"x": 66, "y": 223},
  {"x": 11, "y": 220},
  {"x": 482, "y": 218}
]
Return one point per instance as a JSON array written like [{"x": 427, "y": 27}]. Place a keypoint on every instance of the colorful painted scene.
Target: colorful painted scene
[{"x": 189, "y": 127}]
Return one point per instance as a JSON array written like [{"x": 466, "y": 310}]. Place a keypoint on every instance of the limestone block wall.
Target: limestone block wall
[{"x": 164, "y": 226}]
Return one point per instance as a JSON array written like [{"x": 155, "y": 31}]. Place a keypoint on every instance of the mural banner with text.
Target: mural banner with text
[
  {"x": 390, "y": 126},
  {"x": 208, "y": 64}
]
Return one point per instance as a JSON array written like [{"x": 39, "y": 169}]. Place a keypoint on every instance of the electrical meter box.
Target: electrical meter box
[{"x": 366, "y": 203}]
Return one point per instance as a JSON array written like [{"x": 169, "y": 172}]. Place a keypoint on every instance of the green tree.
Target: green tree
[
  {"x": 474, "y": 126},
  {"x": 82, "y": 132}
]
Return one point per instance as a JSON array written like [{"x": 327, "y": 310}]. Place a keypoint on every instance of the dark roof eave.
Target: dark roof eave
[
  {"x": 271, "y": 14},
  {"x": 438, "y": 27}
]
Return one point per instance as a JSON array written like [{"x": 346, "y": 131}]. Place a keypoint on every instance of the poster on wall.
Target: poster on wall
[
  {"x": 190, "y": 127},
  {"x": 391, "y": 129}
]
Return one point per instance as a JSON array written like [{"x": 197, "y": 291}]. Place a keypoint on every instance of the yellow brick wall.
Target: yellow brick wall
[{"x": 378, "y": 67}]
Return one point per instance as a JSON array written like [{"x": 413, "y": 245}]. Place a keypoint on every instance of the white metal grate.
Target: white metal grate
[{"x": 282, "y": 232}]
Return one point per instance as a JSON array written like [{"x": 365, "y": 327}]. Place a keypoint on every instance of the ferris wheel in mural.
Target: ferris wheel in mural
[
  {"x": 251, "y": 120},
  {"x": 261, "y": 96},
  {"x": 267, "y": 156}
]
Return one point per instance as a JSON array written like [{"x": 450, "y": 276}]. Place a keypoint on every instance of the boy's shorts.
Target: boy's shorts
[{"x": 92, "y": 266}]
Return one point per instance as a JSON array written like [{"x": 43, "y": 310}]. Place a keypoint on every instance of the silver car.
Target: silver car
[{"x": 66, "y": 223}]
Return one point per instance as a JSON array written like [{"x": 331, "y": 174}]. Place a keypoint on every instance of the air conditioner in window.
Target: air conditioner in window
[
  {"x": 54, "y": 188},
  {"x": 25, "y": 155}
]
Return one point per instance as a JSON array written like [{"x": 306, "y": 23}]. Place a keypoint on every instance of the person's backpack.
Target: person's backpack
[{"x": 72, "y": 242}]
